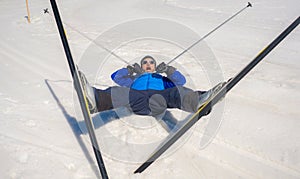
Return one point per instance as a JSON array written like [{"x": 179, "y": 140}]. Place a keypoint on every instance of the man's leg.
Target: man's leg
[
  {"x": 182, "y": 98},
  {"x": 111, "y": 98},
  {"x": 187, "y": 99},
  {"x": 107, "y": 99}
]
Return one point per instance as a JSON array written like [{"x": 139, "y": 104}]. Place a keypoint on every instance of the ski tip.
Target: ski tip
[
  {"x": 143, "y": 167},
  {"x": 140, "y": 169},
  {"x": 135, "y": 172},
  {"x": 249, "y": 4}
]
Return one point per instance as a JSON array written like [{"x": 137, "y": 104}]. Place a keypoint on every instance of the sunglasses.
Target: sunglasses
[{"x": 145, "y": 62}]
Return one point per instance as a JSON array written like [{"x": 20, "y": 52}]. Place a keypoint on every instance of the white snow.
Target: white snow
[{"x": 253, "y": 133}]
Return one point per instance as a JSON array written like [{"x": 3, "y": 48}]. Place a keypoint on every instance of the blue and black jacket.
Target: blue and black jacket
[
  {"x": 147, "y": 81},
  {"x": 145, "y": 86}
]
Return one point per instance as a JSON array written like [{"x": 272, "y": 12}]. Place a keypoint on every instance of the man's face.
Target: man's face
[{"x": 148, "y": 65}]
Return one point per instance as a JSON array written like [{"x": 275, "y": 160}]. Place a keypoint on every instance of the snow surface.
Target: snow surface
[{"x": 253, "y": 133}]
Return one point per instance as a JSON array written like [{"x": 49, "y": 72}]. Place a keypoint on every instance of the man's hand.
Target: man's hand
[
  {"x": 164, "y": 68},
  {"x": 135, "y": 68}
]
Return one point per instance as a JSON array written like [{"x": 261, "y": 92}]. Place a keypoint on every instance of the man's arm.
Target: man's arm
[
  {"x": 122, "y": 77},
  {"x": 125, "y": 76},
  {"x": 172, "y": 74},
  {"x": 177, "y": 78}
]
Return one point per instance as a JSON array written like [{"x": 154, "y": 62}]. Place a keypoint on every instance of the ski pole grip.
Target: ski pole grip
[{"x": 249, "y": 4}]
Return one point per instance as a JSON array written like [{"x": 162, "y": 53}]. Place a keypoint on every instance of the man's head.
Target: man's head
[{"x": 148, "y": 64}]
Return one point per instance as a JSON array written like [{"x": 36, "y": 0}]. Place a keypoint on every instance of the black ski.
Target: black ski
[
  {"x": 80, "y": 93},
  {"x": 214, "y": 99}
]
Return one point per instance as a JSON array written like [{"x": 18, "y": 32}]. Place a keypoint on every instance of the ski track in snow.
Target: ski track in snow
[{"x": 40, "y": 135}]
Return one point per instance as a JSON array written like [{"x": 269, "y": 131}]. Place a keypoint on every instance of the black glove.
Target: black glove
[
  {"x": 135, "y": 68},
  {"x": 164, "y": 68}
]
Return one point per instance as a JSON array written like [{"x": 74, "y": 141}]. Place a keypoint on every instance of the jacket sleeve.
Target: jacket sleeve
[
  {"x": 122, "y": 78},
  {"x": 177, "y": 78}
]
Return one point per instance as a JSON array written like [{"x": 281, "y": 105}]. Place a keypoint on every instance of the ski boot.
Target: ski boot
[
  {"x": 208, "y": 94},
  {"x": 89, "y": 93}
]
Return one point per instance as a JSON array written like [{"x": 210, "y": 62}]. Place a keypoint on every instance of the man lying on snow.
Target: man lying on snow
[{"x": 144, "y": 91}]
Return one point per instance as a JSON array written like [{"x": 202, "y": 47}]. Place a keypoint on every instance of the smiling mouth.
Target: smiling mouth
[{"x": 148, "y": 68}]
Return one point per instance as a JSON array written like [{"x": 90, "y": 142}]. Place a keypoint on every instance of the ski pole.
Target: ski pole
[
  {"x": 183, "y": 52},
  {"x": 90, "y": 39}
]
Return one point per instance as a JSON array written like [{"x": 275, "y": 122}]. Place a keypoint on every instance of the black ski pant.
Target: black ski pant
[{"x": 147, "y": 102}]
